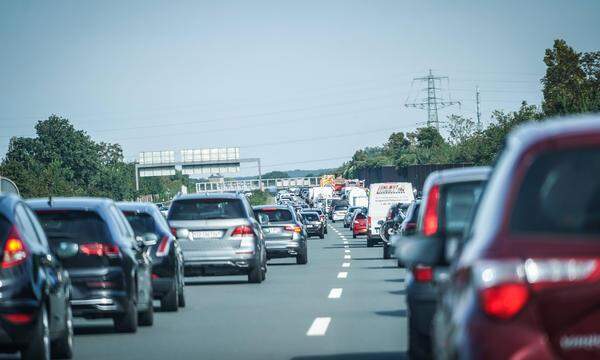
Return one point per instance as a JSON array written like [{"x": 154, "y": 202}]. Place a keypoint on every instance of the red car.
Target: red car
[
  {"x": 527, "y": 282},
  {"x": 359, "y": 225}
]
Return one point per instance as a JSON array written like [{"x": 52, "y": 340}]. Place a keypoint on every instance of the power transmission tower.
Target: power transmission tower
[
  {"x": 432, "y": 103},
  {"x": 478, "y": 108}
]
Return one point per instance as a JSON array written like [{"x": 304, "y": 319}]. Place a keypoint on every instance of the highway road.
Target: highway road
[{"x": 347, "y": 303}]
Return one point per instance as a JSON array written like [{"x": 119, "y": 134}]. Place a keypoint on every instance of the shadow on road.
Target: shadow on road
[
  {"x": 379, "y": 267},
  {"x": 220, "y": 282},
  {"x": 95, "y": 329},
  {"x": 357, "y": 356},
  {"x": 394, "y": 280},
  {"x": 395, "y": 313},
  {"x": 373, "y": 258},
  {"x": 282, "y": 264},
  {"x": 398, "y": 292}
]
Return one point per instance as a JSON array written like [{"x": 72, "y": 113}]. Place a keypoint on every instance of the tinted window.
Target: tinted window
[
  {"x": 360, "y": 216},
  {"x": 459, "y": 201},
  {"x": 25, "y": 224},
  {"x": 560, "y": 194},
  {"x": 311, "y": 216},
  {"x": 76, "y": 226},
  {"x": 340, "y": 208},
  {"x": 206, "y": 209},
  {"x": 276, "y": 215},
  {"x": 414, "y": 216},
  {"x": 141, "y": 223}
]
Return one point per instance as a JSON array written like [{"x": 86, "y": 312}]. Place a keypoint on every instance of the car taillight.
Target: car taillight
[
  {"x": 174, "y": 231},
  {"x": 242, "y": 231},
  {"x": 99, "y": 249},
  {"x": 18, "y": 318},
  {"x": 15, "y": 251},
  {"x": 322, "y": 217},
  {"x": 504, "y": 301},
  {"x": 296, "y": 229},
  {"x": 422, "y": 273},
  {"x": 163, "y": 246},
  {"x": 431, "y": 219},
  {"x": 369, "y": 221}
]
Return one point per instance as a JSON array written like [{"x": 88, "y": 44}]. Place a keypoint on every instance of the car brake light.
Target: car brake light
[
  {"x": 431, "y": 220},
  {"x": 423, "y": 273},
  {"x": 18, "y": 318},
  {"x": 99, "y": 249},
  {"x": 241, "y": 231},
  {"x": 369, "y": 221},
  {"x": 15, "y": 251},
  {"x": 163, "y": 247},
  {"x": 296, "y": 229},
  {"x": 504, "y": 301}
]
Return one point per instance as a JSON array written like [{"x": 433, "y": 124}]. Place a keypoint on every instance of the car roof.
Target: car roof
[
  {"x": 136, "y": 206},
  {"x": 88, "y": 203},
  {"x": 278, "y": 207},
  {"x": 448, "y": 176}
]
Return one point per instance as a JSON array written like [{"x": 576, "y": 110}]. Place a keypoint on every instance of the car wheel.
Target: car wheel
[
  {"x": 128, "y": 321},
  {"x": 146, "y": 317},
  {"x": 387, "y": 251},
  {"x": 354, "y": 235},
  {"x": 170, "y": 302},
  {"x": 325, "y": 229},
  {"x": 322, "y": 235},
  {"x": 370, "y": 242},
  {"x": 255, "y": 275},
  {"x": 62, "y": 348},
  {"x": 39, "y": 346},
  {"x": 418, "y": 344},
  {"x": 302, "y": 258},
  {"x": 181, "y": 293}
]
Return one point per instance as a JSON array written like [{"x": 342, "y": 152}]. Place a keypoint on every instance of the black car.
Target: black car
[
  {"x": 167, "y": 258},
  {"x": 35, "y": 315},
  {"x": 109, "y": 267},
  {"x": 313, "y": 224}
]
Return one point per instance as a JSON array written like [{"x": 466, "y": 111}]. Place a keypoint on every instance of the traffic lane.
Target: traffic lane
[{"x": 228, "y": 317}]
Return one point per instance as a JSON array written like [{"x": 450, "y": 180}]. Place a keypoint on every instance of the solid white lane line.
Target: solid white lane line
[
  {"x": 335, "y": 293},
  {"x": 342, "y": 275},
  {"x": 346, "y": 264},
  {"x": 319, "y": 326},
  {"x": 347, "y": 257}
]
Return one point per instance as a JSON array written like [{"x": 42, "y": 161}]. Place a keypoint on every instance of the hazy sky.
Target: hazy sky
[{"x": 300, "y": 84}]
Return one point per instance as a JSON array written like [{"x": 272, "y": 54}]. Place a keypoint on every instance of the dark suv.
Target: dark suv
[
  {"x": 109, "y": 267},
  {"x": 448, "y": 202},
  {"x": 167, "y": 259},
  {"x": 35, "y": 316}
]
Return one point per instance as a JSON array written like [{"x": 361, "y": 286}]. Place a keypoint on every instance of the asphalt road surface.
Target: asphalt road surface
[{"x": 301, "y": 312}]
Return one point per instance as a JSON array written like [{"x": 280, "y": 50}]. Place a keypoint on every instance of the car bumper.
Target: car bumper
[
  {"x": 283, "y": 250},
  {"x": 162, "y": 286},
  {"x": 101, "y": 305},
  {"x": 238, "y": 265},
  {"x": 12, "y": 336}
]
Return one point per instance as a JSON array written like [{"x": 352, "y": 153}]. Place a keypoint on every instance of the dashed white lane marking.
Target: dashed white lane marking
[
  {"x": 347, "y": 251},
  {"x": 346, "y": 246},
  {"x": 347, "y": 257},
  {"x": 342, "y": 275},
  {"x": 346, "y": 264},
  {"x": 335, "y": 293},
  {"x": 319, "y": 326},
  {"x": 345, "y": 242}
]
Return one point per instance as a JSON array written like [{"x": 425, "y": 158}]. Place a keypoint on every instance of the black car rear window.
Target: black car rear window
[
  {"x": 360, "y": 215},
  {"x": 560, "y": 194},
  {"x": 459, "y": 200},
  {"x": 311, "y": 216},
  {"x": 206, "y": 209},
  {"x": 141, "y": 223},
  {"x": 276, "y": 215},
  {"x": 76, "y": 226},
  {"x": 340, "y": 208}
]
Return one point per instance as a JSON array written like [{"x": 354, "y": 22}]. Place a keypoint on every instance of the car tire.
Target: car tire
[
  {"x": 322, "y": 235},
  {"x": 255, "y": 275},
  {"x": 62, "y": 348},
  {"x": 325, "y": 229},
  {"x": 387, "y": 251},
  {"x": 170, "y": 302},
  {"x": 39, "y": 346},
  {"x": 128, "y": 321},
  {"x": 146, "y": 317},
  {"x": 353, "y": 235},
  {"x": 399, "y": 264},
  {"x": 302, "y": 258},
  {"x": 181, "y": 293},
  {"x": 417, "y": 345},
  {"x": 370, "y": 242}
]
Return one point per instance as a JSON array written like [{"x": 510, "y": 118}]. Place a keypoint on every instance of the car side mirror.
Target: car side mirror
[
  {"x": 419, "y": 250},
  {"x": 183, "y": 233},
  {"x": 149, "y": 239}
]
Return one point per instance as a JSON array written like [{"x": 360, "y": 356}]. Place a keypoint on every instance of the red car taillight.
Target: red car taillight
[
  {"x": 504, "y": 301},
  {"x": 422, "y": 273},
  {"x": 296, "y": 229},
  {"x": 431, "y": 218},
  {"x": 15, "y": 251},
  {"x": 241, "y": 231},
  {"x": 163, "y": 247},
  {"x": 99, "y": 249},
  {"x": 18, "y": 318},
  {"x": 368, "y": 221}
]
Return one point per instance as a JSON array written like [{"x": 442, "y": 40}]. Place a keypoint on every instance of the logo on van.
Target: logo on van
[
  {"x": 591, "y": 341},
  {"x": 390, "y": 189}
]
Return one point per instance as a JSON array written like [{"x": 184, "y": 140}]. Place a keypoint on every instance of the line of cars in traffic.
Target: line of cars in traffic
[{"x": 505, "y": 262}]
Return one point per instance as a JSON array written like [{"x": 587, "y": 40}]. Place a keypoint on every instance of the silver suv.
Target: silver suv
[{"x": 219, "y": 235}]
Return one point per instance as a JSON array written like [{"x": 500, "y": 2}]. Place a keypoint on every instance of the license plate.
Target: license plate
[
  {"x": 273, "y": 230},
  {"x": 207, "y": 234}
]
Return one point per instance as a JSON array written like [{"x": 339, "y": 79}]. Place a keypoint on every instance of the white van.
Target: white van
[
  {"x": 381, "y": 197},
  {"x": 358, "y": 197}
]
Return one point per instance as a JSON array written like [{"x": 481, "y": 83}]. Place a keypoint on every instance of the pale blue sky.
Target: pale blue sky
[{"x": 157, "y": 75}]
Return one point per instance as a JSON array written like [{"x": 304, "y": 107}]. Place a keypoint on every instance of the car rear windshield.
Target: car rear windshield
[
  {"x": 340, "y": 208},
  {"x": 77, "y": 226},
  {"x": 311, "y": 216},
  {"x": 276, "y": 215},
  {"x": 360, "y": 215},
  {"x": 141, "y": 223},
  {"x": 460, "y": 199},
  {"x": 206, "y": 209},
  {"x": 560, "y": 194}
]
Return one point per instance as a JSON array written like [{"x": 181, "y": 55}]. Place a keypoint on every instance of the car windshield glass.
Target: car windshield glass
[
  {"x": 341, "y": 208},
  {"x": 206, "y": 209},
  {"x": 459, "y": 201},
  {"x": 560, "y": 194},
  {"x": 141, "y": 223},
  {"x": 311, "y": 216},
  {"x": 276, "y": 215},
  {"x": 78, "y": 226},
  {"x": 415, "y": 213},
  {"x": 360, "y": 216}
]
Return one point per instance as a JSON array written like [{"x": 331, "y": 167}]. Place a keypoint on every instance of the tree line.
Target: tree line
[{"x": 571, "y": 85}]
